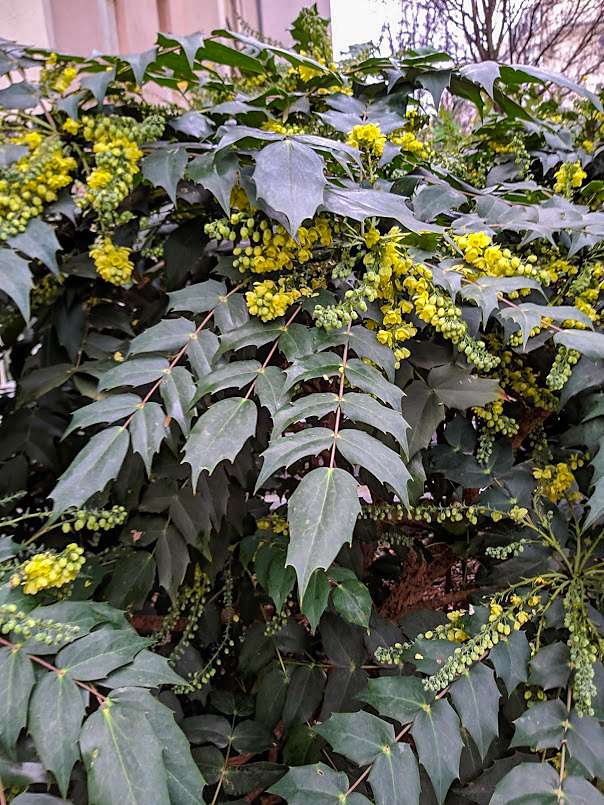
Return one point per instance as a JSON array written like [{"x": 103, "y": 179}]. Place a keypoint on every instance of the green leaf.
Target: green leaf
[
  {"x": 20, "y": 95},
  {"x": 172, "y": 559},
  {"x": 198, "y": 298},
  {"x": 252, "y": 736},
  {"x": 313, "y": 785},
  {"x": 139, "y": 63},
  {"x": 485, "y": 291},
  {"x": 394, "y": 777},
  {"x": 484, "y": 73},
  {"x": 97, "y": 654},
  {"x": 587, "y": 343},
  {"x": 511, "y": 658},
  {"x": 291, "y": 448},
  {"x": 281, "y": 580},
  {"x": 56, "y": 711},
  {"x": 147, "y": 670},
  {"x": 423, "y": 412},
  {"x": 369, "y": 379},
  {"x": 97, "y": 82},
  {"x": 361, "y": 737},
  {"x": 436, "y": 732},
  {"x": 542, "y": 726},
  {"x": 304, "y": 694},
  {"x": 189, "y": 44},
  {"x": 167, "y": 336},
  {"x": 359, "y": 447},
  {"x": 112, "y": 408},
  {"x": 220, "y": 434},
  {"x": 550, "y": 667},
  {"x": 164, "y": 168},
  {"x": 208, "y": 729},
  {"x": 311, "y": 405},
  {"x": 177, "y": 390},
  {"x": 456, "y": 387},
  {"x": 361, "y": 204},
  {"x": 269, "y": 388},
  {"x": 324, "y": 365},
  {"x": 476, "y": 698},
  {"x": 91, "y": 470},
  {"x": 315, "y": 598},
  {"x": 363, "y": 408},
  {"x": 131, "y": 580},
  {"x": 147, "y": 431},
  {"x": 201, "y": 352},
  {"x": 399, "y": 697},
  {"x": 38, "y": 242},
  {"x": 234, "y": 375},
  {"x": 137, "y": 372},
  {"x": 352, "y": 601},
  {"x": 289, "y": 176},
  {"x": 585, "y": 742},
  {"x": 123, "y": 758},
  {"x": 185, "y": 782},
  {"x": 254, "y": 333},
  {"x": 15, "y": 279},
  {"x": 16, "y": 683},
  {"x": 218, "y": 173},
  {"x": 528, "y": 783},
  {"x": 322, "y": 514}
]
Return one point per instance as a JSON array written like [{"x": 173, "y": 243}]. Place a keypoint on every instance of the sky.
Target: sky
[{"x": 357, "y": 21}]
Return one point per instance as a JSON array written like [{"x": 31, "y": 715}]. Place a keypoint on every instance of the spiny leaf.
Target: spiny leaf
[
  {"x": 361, "y": 737},
  {"x": 220, "y": 434},
  {"x": 290, "y": 448},
  {"x": 167, "y": 336},
  {"x": 358, "y": 447},
  {"x": 137, "y": 372},
  {"x": 476, "y": 699},
  {"x": 16, "y": 683},
  {"x": 400, "y": 697},
  {"x": 394, "y": 776},
  {"x": 437, "y": 737},
  {"x": 322, "y": 515},
  {"x": 112, "y": 408},
  {"x": 289, "y": 176},
  {"x": 123, "y": 758},
  {"x": 97, "y": 464},
  {"x": 15, "y": 279},
  {"x": 165, "y": 167},
  {"x": 56, "y": 712},
  {"x": 147, "y": 431}
]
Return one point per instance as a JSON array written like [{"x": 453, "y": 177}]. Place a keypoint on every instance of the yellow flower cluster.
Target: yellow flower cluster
[
  {"x": 117, "y": 155},
  {"x": 554, "y": 480},
  {"x": 275, "y": 523},
  {"x": 408, "y": 142},
  {"x": 63, "y": 80},
  {"x": 33, "y": 181},
  {"x": 367, "y": 137},
  {"x": 485, "y": 257},
  {"x": 524, "y": 381},
  {"x": 279, "y": 128},
  {"x": 275, "y": 249},
  {"x": 270, "y": 299},
  {"x": 568, "y": 177},
  {"x": 493, "y": 417},
  {"x": 49, "y": 569},
  {"x": 112, "y": 262}
]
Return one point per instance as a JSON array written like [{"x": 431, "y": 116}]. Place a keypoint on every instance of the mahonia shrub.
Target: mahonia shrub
[{"x": 301, "y": 428}]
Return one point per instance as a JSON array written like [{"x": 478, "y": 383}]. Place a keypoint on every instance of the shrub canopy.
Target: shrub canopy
[{"x": 304, "y": 488}]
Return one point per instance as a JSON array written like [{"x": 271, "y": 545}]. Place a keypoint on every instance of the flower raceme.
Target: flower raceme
[{"x": 49, "y": 569}]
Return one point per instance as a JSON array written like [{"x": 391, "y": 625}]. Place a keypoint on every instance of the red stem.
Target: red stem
[
  {"x": 178, "y": 356},
  {"x": 101, "y": 699},
  {"x": 272, "y": 352},
  {"x": 336, "y": 426}
]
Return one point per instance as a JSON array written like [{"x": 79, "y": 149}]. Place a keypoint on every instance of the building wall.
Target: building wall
[{"x": 131, "y": 26}]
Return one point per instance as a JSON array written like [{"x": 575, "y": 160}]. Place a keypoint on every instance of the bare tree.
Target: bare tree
[{"x": 566, "y": 35}]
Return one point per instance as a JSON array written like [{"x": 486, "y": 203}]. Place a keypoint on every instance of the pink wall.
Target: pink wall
[{"x": 130, "y": 26}]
